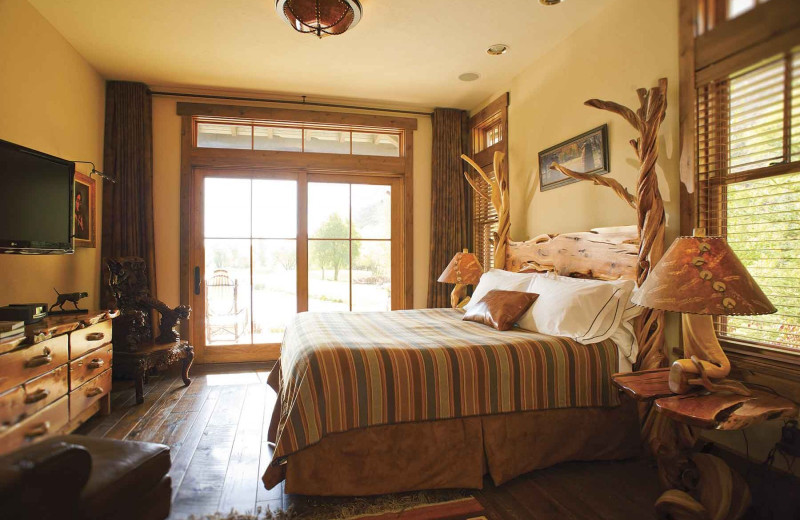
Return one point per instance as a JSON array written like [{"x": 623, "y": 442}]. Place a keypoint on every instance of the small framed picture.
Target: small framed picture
[
  {"x": 83, "y": 219},
  {"x": 586, "y": 153}
]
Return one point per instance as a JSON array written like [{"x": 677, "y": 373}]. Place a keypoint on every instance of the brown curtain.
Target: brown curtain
[
  {"x": 128, "y": 158},
  {"x": 450, "y": 201}
]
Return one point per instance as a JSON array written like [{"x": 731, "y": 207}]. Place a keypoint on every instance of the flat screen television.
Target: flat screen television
[{"x": 36, "y": 202}]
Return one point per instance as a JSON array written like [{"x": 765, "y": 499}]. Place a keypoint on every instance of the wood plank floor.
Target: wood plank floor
[{"x": 217, "y": 431}]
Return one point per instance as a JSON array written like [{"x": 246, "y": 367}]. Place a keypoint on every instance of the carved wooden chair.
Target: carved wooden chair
[
  {"x": 136, "y": 352},
  {"x": 224, "y": 317}
]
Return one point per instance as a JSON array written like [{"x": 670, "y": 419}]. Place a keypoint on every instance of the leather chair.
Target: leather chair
[{"x": 85, "y": 478}]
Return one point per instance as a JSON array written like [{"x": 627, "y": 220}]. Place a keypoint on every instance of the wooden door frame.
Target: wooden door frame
[
  {"x": 400, "y": 169},
  {"x": 233, "y": 353}
]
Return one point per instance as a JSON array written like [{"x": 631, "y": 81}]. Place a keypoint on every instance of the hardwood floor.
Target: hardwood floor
[{"x": 217, "y": 429}]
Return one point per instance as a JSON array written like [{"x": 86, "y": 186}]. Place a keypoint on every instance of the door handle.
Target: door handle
[{"x": 197, "y": 280}]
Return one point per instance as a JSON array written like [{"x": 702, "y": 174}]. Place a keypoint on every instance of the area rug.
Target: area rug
[{"x": 425, "y": 505}]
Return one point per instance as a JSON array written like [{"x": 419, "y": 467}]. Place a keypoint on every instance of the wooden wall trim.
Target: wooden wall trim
[
  {"x": 765, "y": 22},
  {"x": 489, "y": 110},
  {"x": 222, "y": 157},
  {"x": 408, "y": 222},
  {"x": 686, "y": 115},
  {"x": 289, "y": 115},
  {"x": 186, "y": 224},
  {"x": 753, "y": 54}
]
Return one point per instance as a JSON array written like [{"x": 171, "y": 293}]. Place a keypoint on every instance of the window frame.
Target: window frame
[
  {"x": 713, "y": 49},
  {"x": 493, "y": 117},
  {"x": 382, "y": 168}
]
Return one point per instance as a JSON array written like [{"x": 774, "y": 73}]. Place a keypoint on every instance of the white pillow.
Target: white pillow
[
  {"x": 628, "y": 347},
  {"x": 588, "y": 311},
  {"x": 502, "y": 280}
]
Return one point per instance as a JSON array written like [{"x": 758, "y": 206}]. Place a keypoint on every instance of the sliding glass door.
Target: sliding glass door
[
  {"x": 349, "y": 246},
  {"x": 268, "y": 245}
]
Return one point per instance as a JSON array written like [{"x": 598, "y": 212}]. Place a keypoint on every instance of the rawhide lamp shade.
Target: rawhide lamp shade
[
  {"x": 702, "y": 277},
  {"x": 464, "y": 269},
  {"x": 320, "y": 17}
]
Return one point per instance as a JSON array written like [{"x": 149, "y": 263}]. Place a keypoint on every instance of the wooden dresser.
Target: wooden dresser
[{"x": 56, "y": 378}]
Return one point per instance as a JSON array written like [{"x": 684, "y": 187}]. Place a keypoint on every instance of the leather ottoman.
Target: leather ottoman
[{"x": 85, "y": 478}]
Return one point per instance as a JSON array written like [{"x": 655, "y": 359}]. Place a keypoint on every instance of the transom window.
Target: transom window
[{"x": 265, "y": 135}]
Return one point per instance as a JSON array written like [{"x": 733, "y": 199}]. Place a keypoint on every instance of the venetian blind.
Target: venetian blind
[
  {"x": 748, "y": 168},
  {"x": 484, "y": 225}
]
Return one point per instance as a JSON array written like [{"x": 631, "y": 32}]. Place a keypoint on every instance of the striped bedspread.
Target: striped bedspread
[{"x": 341, "y": 371}]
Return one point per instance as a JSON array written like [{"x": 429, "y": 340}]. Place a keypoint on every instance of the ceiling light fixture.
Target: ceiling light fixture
[
  {"x": 497, "y": 49},
  {"x": 550, "y": 2},
  {"x": 320, "y": 17},
  {"x": 469, "y": 76}
]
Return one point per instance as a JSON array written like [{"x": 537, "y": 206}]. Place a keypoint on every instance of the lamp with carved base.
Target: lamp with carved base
[
  {"x": 702, "y": 277},
  {"x": 464, "y": 269}
]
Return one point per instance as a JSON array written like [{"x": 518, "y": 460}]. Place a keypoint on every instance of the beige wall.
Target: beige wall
[
  {"x": 51, "y": 100},
  {"x": 627, "y": 46},
  {"x": 166, "y": 169}
]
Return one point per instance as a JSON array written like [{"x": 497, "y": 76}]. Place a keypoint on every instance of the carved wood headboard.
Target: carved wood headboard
[{"x": 603, "y": 253}]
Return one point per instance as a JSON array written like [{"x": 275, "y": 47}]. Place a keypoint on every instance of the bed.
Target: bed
[{"x": 373, "y": 403}]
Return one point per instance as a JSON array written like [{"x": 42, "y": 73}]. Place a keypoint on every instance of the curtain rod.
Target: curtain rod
[{"x": 287, "y": 102}]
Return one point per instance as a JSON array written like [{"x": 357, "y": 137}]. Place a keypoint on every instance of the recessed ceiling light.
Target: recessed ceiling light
[
  {"x": 497, "y": 49},
  {"x": 469, "y": 76},
  {"x": 550, "y": 2}
]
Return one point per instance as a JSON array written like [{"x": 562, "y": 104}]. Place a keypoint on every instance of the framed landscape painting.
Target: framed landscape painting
[
  {"x": 586, "y": 153},
  {"x": 83, "y": 219}
]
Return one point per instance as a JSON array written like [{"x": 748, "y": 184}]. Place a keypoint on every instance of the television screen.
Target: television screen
[{"x": 35, "y": 201}]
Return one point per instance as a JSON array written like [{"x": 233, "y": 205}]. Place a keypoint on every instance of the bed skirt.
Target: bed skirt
[{"x": 457, "y": 453}]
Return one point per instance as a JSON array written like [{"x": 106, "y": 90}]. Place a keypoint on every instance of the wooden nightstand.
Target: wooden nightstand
[{"x": 702, "y": 485}]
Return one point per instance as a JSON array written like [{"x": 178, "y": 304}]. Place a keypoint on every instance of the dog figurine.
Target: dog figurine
[{"x": 67, "y": 297}]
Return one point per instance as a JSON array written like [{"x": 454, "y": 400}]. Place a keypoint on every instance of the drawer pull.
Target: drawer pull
[
  {"x": 95, "y": 336},
  {"x": 96, "y": 363},
  {"x": 37, "y": 361},
  {"x": 91, "y": 392},
  {"x": 37, "y": 396},
  {"x": 38, "y": 430}
]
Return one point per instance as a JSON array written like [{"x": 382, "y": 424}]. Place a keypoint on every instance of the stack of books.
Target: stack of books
[{"x": 11, "y": 330}]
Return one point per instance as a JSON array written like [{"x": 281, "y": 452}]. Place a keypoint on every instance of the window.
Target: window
[
  {"x": 264, "y": 135},
  {"x": 489, "y": 132},
  {"x": 349, "y": 247},
  {"x": 711, "y": 13},
  {"x": 285, "y": 211},
  {"x": 748, "y": 167},
  {"x": 493, "y": 134}
]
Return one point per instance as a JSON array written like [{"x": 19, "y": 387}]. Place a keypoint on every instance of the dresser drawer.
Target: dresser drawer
[
  {"x": 30, "y": 397},
  {"x": 89, "y": 393},
  {"x": 23, "y": 364},
  {"x": 44, "y": 423},
  {"x": 90, "y": 365},
  {"x": 82, "y": 341}
]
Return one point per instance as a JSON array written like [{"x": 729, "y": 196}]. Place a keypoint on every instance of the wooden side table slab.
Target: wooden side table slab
[
  {"x": 725, "y": 411},
  {"x": 136, "y": 364},
  {"x": 703, "y": 487}
]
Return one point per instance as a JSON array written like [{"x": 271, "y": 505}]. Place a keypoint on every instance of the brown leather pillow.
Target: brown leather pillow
[{"x": 500, "y": 309}]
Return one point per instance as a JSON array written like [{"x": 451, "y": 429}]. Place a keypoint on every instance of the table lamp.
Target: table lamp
[
  {"x": 702, "y": 277},
  {"x": 464, "y": 269}
]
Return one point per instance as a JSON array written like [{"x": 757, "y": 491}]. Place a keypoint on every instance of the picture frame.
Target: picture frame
[
  {"x": 84, "y": 227},
  {"x": 574, "y": 154}
]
